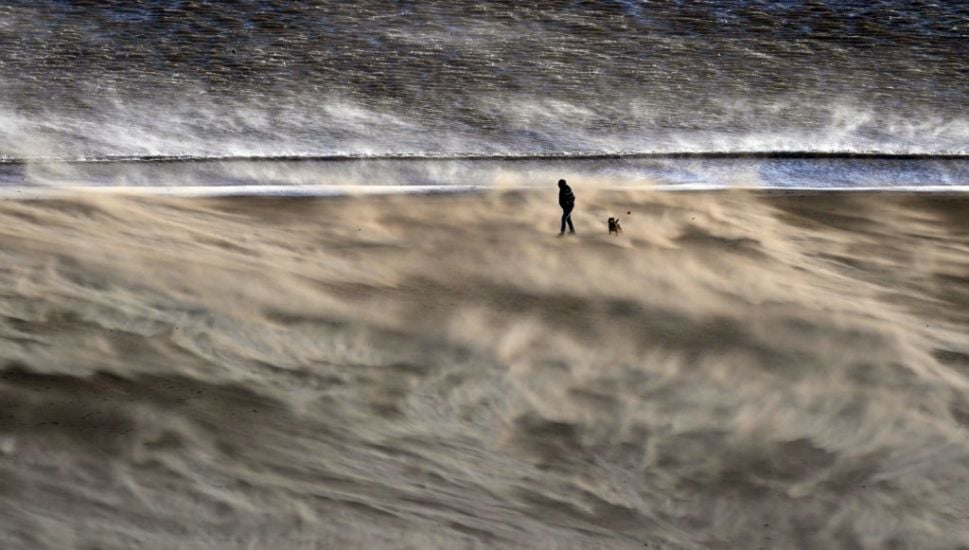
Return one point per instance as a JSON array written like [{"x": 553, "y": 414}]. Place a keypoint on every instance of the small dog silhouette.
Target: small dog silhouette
[{"x": 614, "y": 226}]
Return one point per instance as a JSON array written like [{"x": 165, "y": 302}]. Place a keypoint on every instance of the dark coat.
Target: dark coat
[{"x": 566, "y": 197}]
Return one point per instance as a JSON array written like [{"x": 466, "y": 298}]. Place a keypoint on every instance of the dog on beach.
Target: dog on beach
[{"x": 614, "y": 226}]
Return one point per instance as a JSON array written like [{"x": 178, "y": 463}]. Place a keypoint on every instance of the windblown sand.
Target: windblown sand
[{"x": 736, "y": 370}]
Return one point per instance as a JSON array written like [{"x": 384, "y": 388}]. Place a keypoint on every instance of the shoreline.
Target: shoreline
[{"x": 330, "y": 191}]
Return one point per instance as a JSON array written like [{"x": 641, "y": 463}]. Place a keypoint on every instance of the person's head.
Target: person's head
[{"x": 561, "y": 184}]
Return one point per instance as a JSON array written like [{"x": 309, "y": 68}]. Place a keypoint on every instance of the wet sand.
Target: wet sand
[{"x": 736, "y": 370}]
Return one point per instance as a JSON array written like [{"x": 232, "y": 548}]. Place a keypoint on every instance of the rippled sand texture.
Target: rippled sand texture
[{"x": 737, "y": 370}]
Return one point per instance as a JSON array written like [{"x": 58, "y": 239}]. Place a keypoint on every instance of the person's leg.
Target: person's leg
[
  {"x": 565, "y": 219},
  {"x": 569, "y": 219}
]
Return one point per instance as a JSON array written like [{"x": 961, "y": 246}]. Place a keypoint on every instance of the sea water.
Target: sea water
[{"x": 271, "y": 80}]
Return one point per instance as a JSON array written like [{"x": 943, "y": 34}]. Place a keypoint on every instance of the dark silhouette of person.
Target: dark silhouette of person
[{"x": 567, "y": 202}]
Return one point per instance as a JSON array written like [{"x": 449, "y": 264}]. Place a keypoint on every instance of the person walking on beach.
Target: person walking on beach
[{"x": 567, "y": 202}]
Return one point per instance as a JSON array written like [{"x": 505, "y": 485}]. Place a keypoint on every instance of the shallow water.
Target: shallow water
[
  {"x": 337, "y": 176},
  {"x": 736, "y": 370}
]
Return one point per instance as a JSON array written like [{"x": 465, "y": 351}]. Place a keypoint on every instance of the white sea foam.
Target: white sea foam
[{"x": 327, "y": 125}]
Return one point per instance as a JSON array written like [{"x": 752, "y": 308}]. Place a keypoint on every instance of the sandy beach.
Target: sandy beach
[{"x": 736, "y": 370}]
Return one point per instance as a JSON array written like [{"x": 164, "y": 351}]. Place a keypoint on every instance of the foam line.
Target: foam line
[
  {"x": 699, "y": 155},
  {"x": 310, "y": 191}
]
